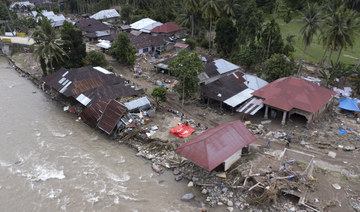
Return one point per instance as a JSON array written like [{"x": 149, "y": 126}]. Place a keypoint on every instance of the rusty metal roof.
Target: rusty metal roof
[
  {"x": 214, "y": 146},
  {"x": 90, "y": 83},
  {"x": 291, "y": 92},
  {"x": 114, "y": 110},
  {"x": 92, "y": 114}
]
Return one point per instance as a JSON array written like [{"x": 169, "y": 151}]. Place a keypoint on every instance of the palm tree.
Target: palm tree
[
  {"x": 47, "y": 45},
  {"x": 311, "y": 18},
  {"x": 211, "y": 10},
  {"x": 340, "y": 29},
  {"x": 193, "y": 7},
  {"x": 229, "y": 7}
]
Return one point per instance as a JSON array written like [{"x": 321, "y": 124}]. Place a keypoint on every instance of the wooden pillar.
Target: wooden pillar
[
  {"x": 284, "y": 118},
  {"x": 266, "y": 112},
  {"x": 232, "y": 111}
]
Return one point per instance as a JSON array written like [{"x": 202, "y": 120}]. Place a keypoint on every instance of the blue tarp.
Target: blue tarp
[{"x": 349, "y": 104}]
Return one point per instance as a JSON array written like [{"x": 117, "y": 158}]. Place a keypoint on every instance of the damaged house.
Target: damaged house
[
  {"x": 89, "y": 85},
  {"x": 292, "y": 96},
  {"x": 215, "y": 69},
  {"x": 221, "y": 145},
  {"x": 97, "y": 89},
  {"x": 233, "y": 89}
]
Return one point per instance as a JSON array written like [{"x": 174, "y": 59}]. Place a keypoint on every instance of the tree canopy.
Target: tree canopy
[
  {"x": 122, "y": 50},
  {"x": 186, "y": 66},
  {"x": 96, "y": 58}
]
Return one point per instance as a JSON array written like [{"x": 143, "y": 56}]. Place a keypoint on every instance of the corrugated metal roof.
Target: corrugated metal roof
[
  {"x": 103, "y": 14},
  {"x": 168, "y": 27},
  {"x": 90, "y": 82},
  {"x": 181, "y": 45},
  {"x": 92, "y": 114},
  {"x": 138, "y": 103},
  {"x": 214, "y": 146},
  {"x": 141, "y": 23},
  {"x": 291, "y": 92},
  {"x": 91, "y": 25},
  {"x": 103, "y": 70},
  {"x": 251, "y": 106},
  {"x": 114, "y": 110},
  {"x": 239, "y": 98},
  {"x": 254, "y": 82},
  {"x": 83, "y": 99},
  {"x": 148, "y": 28},
  {"x": 224, "y": 66}
]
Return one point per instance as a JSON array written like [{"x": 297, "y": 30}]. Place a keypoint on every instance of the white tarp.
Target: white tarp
[
  {"x": 239, "y": 98},
  {"x": 103, "y": 14},
  {"x": 224, "y": 66},
  {"x": 142, "y": 23}
]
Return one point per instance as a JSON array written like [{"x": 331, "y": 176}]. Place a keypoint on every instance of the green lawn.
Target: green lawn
[{"x": 315, "y": 51}]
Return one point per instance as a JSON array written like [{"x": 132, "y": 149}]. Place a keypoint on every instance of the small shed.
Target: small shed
[
  {"x": 141, "y": 104},
  {"x": 220, "y": 145}
]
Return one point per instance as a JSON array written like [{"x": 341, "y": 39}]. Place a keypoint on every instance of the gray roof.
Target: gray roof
[
  {"x": 103, "y": 14},
  {"x": 138, "y": 103}
]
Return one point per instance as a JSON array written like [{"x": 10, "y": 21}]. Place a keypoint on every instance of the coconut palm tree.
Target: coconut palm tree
[
  {"x": 229, "y": 7},
  {"x": 47, "y": 45},
  {"x": 211, "y": 10},
  {"x": 311, "y": 18},
  {"x": 193, "y": 7},
  {"x": 340, "y": 30}
]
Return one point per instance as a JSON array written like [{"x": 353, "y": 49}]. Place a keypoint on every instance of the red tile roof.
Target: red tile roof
[
  {"x": 167, "y": 28},
  {"x": 214, "y": 146},
  {"x": 291, "y": 92}
]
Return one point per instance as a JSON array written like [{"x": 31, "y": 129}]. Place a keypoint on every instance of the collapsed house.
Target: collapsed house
[
  {"x": 89, "y": 85},
  {"x": 233, "y": 89},
  {"x": 93, "y": 29},
  {"x": 110, "y": 15},
  {"x": 107, "y": 115},
  {"x": 292, "y": 95},
  {"x": 220, "y": 145}
]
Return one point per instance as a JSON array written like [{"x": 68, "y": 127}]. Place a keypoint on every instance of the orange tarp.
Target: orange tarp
[{"x": 182, "y": 130}]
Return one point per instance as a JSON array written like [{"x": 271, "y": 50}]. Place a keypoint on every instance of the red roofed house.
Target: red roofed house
[
  {"x": 169, "y": 28},
  {"x": 220, "y": 145},
  {"x": 292, "y": 95}
]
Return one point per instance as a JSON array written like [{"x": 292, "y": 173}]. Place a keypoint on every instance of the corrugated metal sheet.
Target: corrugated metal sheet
[
  {"x": 168, "y": 27},
  {"x": 114, "y": 110},
  {"x": 239, "y": 98},
  {"x": 83, "y": 99},
  {"x": 214, "y": 146},
  {"x": 224, "y": 66},
  {"x": 103, "y": 70},
  {"x": 110, "y": 13},
  {"x": 254, "y": 82},
  {"x": 251, "y": 106},
  {"x": 141, "y": 23},
  {"x": 90, "y": 82},
  {"x": 92, "y": 114},
  {"x": 138, "y": 103},
  {"x": 291, "y": 92},
  {"x": 148, "y": 28}
]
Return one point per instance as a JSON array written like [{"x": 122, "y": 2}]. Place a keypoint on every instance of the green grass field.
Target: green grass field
[{"x": 315, "y": 51}]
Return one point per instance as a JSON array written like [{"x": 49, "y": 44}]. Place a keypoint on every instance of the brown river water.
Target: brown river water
[{"x": 50, "y": 162}]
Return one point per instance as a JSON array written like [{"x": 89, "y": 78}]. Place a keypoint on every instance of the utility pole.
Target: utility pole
[{"x": 183, "y": 93}]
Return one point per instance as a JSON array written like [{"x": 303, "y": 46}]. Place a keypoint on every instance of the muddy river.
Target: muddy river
[{"x": 50, "y": 162}]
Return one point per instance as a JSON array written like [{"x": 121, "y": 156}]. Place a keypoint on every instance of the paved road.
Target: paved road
[{"x": 20, "y": 40}]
